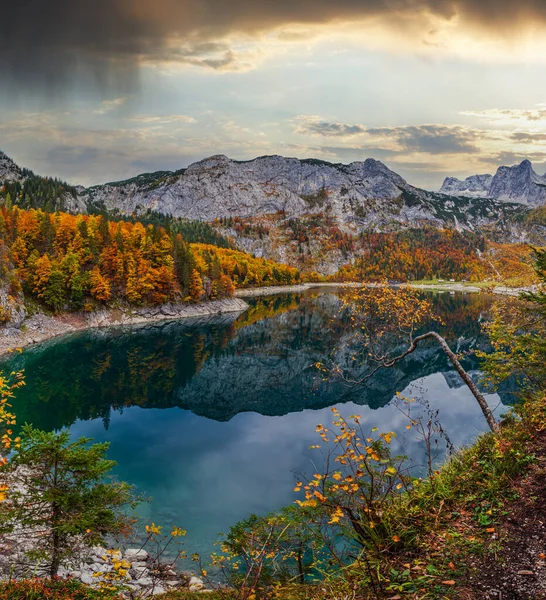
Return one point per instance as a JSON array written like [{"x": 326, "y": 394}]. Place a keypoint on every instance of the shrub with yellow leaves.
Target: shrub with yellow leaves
[
  {"x": 360, "y": 479},
  {"x": 8, "y": 385}
]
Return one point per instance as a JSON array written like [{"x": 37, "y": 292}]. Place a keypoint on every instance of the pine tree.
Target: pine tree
[
  {"x": 61, "y": 494},
  {"x": 56, "y": 292},
  {"x": 184, "y": 263}
]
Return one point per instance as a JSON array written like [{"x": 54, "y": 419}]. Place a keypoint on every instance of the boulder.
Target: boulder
[{"x": 135, "y": 554}]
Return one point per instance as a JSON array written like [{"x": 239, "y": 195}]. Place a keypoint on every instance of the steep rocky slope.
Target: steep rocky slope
[
  {"x": 519, "y": 183},
  {"x": 32, "y": 191},
  {"x": 474, "y": 186},
  {"x": 366, "y": 193},
  {"x": 9, "y": 171}
]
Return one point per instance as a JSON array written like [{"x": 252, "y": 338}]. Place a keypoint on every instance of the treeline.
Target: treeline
[
  {"x": 194, "y": 232},
  {"x": 37, "y": 192},
  {"x": 244, "y": 269},
  {"x": 417, "y": 254},
  {"x": 70, "y": 262},
  {"x": 243, "y": 227}
]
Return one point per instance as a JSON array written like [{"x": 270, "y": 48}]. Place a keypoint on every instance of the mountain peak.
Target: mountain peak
[
  {"x": 518, "y": 183},
  {"x": 9, "y": 170},
  {"x": 475, "y": 186}
]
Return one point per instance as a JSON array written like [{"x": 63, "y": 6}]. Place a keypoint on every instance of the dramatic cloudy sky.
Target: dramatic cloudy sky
[{"x": 99, "y": 90}]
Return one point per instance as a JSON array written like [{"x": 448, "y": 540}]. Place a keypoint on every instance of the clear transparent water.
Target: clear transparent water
[{"x": 212, "y": 419}]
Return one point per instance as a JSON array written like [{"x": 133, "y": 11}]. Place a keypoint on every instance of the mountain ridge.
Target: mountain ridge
[
  {"x": 360, "y": 196},
  {"x": 366, "y": 194},
  {"x": 29, "y": 190},
  {"x": 518, "y": 183}
]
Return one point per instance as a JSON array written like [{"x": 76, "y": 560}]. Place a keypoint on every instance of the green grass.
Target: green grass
[{"x": 56, "y": 589}]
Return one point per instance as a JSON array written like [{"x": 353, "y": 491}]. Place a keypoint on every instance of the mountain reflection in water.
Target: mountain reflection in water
[{"x": 211, "y": 418}]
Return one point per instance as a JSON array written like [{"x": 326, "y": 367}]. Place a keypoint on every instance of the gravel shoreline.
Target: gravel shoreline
[
  {"x": 285, "y": 289},
  {"x": 447, "y": 287},
  {"x": 40, "y": 328},
  {"x": 460, "y": 287}
]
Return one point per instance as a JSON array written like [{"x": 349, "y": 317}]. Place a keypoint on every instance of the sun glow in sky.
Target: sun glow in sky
[{"x": 101, "y": 90}]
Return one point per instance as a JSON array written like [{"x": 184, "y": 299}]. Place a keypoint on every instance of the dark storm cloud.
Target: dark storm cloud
[
  {"x": 50, "y": 44},
  {"x": 433, "y": 139},
  {"x": 45, "y": 44}
]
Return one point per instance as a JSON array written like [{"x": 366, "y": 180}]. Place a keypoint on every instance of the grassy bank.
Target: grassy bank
[{"x": 454, "y": 530}]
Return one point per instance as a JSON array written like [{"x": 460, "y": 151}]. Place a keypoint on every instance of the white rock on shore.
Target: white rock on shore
[{"x": 41, "y": 328}]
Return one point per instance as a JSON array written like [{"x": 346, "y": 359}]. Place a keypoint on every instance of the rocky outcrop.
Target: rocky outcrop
[
  {"x": 476, "y": 186},
  {"x": 365, "y": 193},
  {"x": 12, "y": 309},
  {"x": 518, "y": 184},
  {"x": 142, "y": 577},
  {"x": 9, "y": 171}
]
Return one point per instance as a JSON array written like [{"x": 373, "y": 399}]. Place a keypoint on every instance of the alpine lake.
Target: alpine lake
[{"x": 212, "y": 419}]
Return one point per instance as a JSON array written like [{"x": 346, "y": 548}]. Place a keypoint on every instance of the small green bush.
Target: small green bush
[{"x": 52, "y": 589}]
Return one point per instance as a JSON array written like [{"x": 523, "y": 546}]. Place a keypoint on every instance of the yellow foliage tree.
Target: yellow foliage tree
[
  {"x": 100, "y": 288},
  {"x": 196, "y": 286},
  {"x": 42, "y": 275},
  {"x": 7, "y": 420}
]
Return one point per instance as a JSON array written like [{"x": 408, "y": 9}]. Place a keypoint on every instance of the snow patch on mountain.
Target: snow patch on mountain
[{"x": 475, "y": 186}]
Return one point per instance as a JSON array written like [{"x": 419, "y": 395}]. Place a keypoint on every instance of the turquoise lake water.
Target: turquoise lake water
[{"x": 213, "y": 420}]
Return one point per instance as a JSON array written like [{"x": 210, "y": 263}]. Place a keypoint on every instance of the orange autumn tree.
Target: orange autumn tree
[
  {"x": 100, "y": 287},
  {"x": 387, "y": 327},
  {"x": 73, "y": 261},
  {"x": 196, "y": 286}
]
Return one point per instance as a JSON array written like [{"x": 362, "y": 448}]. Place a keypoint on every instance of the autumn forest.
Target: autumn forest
[{"x": 80, "y": 262}]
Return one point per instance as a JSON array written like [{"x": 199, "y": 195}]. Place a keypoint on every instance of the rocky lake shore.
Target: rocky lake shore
[{"x": 40, "y": 328}]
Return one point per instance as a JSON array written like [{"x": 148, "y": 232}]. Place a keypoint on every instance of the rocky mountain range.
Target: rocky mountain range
[
  {"x": 519, "y": 183},
  {"x": 364, "y": 195}
]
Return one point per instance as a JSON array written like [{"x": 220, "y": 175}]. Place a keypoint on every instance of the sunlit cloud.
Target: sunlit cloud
[
  {"x": 511, "y": 116},
  {"x": 107, "y": 41},
  {"x": 110, "y": 105},
  {"x": 162, "y": 119}
]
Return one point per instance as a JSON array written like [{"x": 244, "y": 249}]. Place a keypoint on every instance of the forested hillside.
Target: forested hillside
[
  {"x": 32, "y": 191},
  {"x": 417, "y": 254},
  {"x": 70, "y": 262},
  {"x": 317, "y": 243}
]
